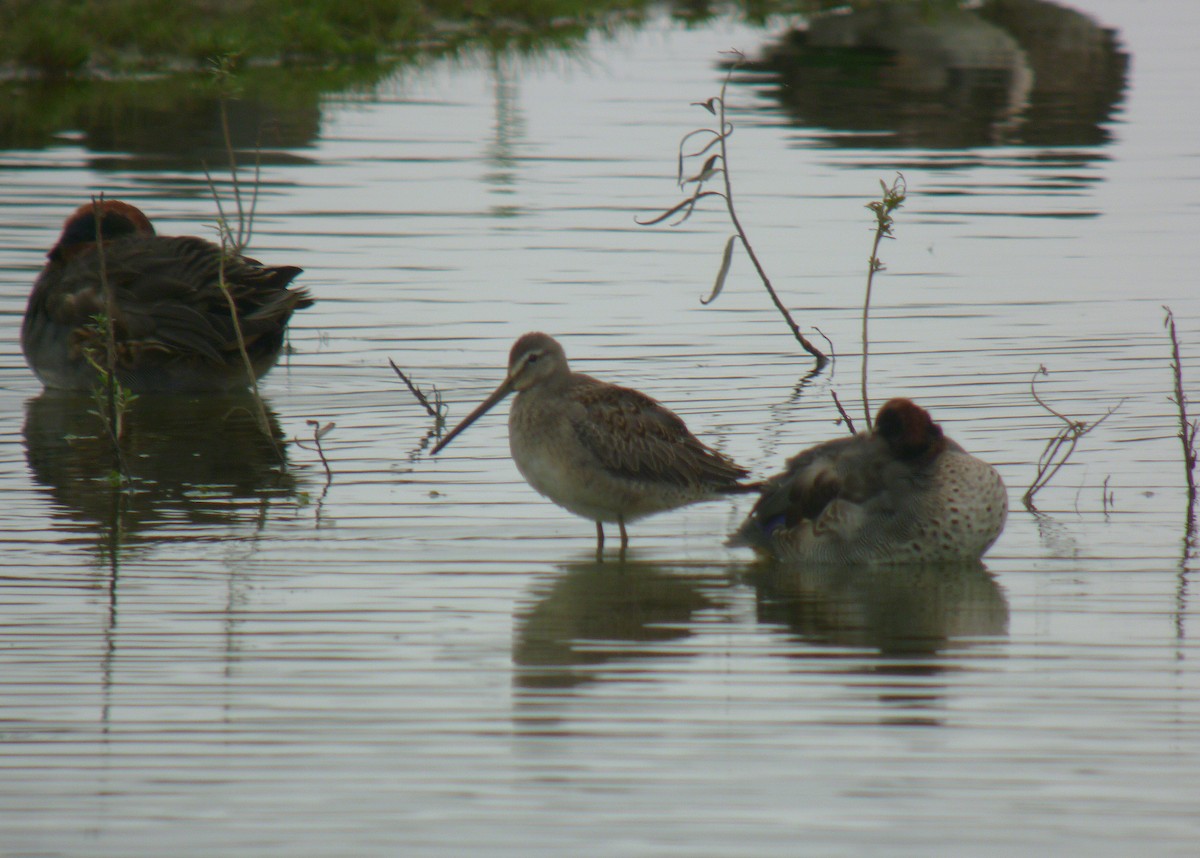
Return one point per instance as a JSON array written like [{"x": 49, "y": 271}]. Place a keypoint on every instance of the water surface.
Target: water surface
[{"x": 421, "y": 656}]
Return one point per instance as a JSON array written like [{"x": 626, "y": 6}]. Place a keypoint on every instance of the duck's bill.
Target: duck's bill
[{"x": 499, "y": 393}]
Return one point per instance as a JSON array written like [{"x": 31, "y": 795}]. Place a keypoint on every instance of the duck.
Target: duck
[
  {"x": 606, "y": 453},
  {"x": 902, "y": 492},
  {"x": 171, "y": 322}
]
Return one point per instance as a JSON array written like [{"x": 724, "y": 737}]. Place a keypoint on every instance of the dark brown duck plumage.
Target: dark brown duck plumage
[{"x": 172, "y": 324}]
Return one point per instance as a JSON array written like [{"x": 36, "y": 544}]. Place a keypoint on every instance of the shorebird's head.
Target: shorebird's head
[{"x": 533, "y": 359}]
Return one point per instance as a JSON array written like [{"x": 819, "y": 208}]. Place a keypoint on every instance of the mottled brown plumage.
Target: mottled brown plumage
[
  {"x": 172, "y": 325},
  {"x": 604, "y": 452}
]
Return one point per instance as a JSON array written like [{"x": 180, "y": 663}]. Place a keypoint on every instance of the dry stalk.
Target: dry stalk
[
  {"x": 1187, "y": 427},
  {"x": 436, "y": 409},
  {"x": 319, "y": 432},
  {"x": 223, "y": 74},
  {"x": 112, "y": 400},
  {"x": 260, "y": 409},
  {"x": 717, "y": 163},
  {"x": 842, "y": 411},
  {"x": 1060, "y": 447},
  {"x": 891, "y": 199}
]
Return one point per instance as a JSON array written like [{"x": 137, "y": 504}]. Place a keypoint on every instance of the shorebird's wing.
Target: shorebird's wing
[{"x": 635, "y": 437}]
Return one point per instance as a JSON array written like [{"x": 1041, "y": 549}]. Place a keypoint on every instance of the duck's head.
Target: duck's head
[
  {"x": 909, "y": 431},
  {"x": 107, "y": 219}
]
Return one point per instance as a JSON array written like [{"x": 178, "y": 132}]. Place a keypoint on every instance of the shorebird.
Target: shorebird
[
  {"x": 902, "y": 493},
  {"x": 170, "y": 319},
  {"x": 603, "y": 452}
]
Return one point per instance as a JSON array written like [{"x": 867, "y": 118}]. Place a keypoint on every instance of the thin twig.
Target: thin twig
[
  {"x": 320, "y": 432},
  {"x": 737, "y": 224},
  {"x": 231, "y": 244},
  {"x": 226, "y": 83},
  {"x": 1060, "y": 447},
  {"x": 1187, "y": 427},
  {"x": 264, "y": 421},
  {"x": 257, "y": 186},
  {"x": 842, "y": 411},
  {"x": 240, "y": 243},
  {"x": 436, "y": 411},
  {"x": 719, "y": 164},
  {"x": 261, "y": 417},
  {"x": 111, "y": 402}
]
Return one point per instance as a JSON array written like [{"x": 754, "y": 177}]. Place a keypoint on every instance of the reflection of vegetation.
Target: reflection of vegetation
[
  {"x": 282, "y": 74},
  {"x": 65, "y": 36},
  {"x": 175, "y": 118}
]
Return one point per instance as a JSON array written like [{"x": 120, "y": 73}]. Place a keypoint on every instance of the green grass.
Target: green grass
[{"x": 73, "y": 37}]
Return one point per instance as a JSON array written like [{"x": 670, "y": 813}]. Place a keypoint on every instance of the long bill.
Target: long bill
[{"x": 499, "y": 393}]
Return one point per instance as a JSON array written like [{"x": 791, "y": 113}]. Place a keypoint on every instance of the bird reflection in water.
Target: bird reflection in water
[
  {"x": 199, "y": 460},
  {"x": 905, "y": 617},
  {"x": 592, "y": 614},
  {"x": 949, "y": 75}
]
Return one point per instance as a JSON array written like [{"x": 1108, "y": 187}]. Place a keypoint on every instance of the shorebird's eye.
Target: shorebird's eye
[{"x": 533, "y": 358}]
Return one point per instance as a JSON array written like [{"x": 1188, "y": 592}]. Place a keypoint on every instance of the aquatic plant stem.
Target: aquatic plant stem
[
  {"x": 891, "y": 200},
  {"x": 726, "y": 130},
  {"x": 842, "y": 411},
  {"x": 1187, "y": 427},
  {"x": 110, "y": 311},
  {"x": 1060, "y": 447},
  {"x": 111, "y": 401},
  {"x": 260, "y": 415},
  {"x": 223, "y": 74},
  {"x": 320, "y": 432},
  {"x": 719, "y": 163}
]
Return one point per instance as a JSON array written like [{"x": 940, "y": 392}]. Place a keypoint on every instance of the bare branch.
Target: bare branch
[
  {"x": 1061, "y": 446},
  {"x": 842, "y": 411},
  {"x": 717, "y": 164},
  {"x": 437, "y": 413}
]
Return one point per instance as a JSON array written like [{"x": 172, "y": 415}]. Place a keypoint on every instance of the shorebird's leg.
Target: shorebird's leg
[
  {"x": 624, "y": 535},
  {"x": 599, "y": 541}
]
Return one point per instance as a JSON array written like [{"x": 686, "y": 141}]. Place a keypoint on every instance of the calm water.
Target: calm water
[{"x": 421, "y": 657}]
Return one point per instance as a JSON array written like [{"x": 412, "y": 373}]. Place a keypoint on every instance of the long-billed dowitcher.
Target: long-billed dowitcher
[
  {"x": 170, "y": 318},
  {"x": 902, "y": 493},
  {"x": 603, "y": 452}
]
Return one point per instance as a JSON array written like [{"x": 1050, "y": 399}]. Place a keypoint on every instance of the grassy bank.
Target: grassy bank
[{"x": 70, "y": 37}]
